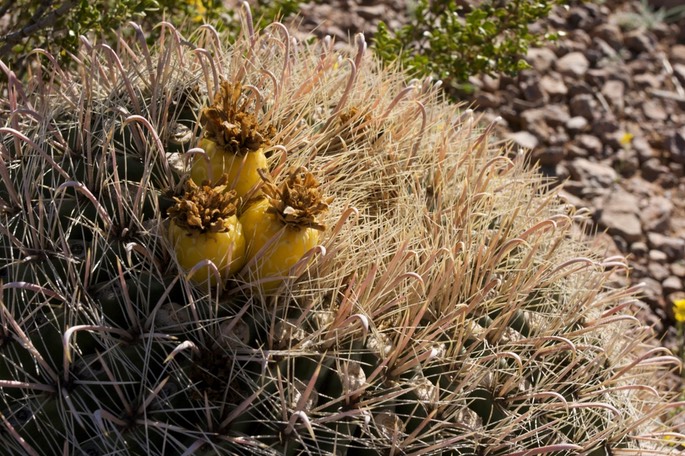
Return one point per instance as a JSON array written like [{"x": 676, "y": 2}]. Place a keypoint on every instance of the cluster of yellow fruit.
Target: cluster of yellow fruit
[{"x": 237, "y": 217}]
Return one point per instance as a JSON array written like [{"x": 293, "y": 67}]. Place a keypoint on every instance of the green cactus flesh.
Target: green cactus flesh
[{"x": 451, "y": 308}]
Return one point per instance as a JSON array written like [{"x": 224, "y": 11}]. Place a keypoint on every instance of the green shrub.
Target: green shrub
[
  {"x": 452, "y": 42},
  {"x": 58, "y": 26}
]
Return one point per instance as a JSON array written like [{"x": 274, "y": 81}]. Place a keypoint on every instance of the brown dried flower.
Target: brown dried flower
[
  {"x": 205, "y": 208},
  {"x": 230, "y": 126},
  {"x": 298, "y": 201}
]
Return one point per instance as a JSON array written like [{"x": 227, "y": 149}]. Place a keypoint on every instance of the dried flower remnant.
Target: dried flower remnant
[
  {"x": 233, "y": 141},
  {"x": 228, "y": 124},
  {"x": 298, "y": 201}
]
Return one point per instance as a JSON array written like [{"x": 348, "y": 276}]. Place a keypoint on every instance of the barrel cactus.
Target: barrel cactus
[{"x": 446, "y": 306}]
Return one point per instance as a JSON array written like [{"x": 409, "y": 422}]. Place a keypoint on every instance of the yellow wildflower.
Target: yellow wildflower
[
  {"x": 679, "y": 310},
  {"x": 626, "y": 138},
  {"x": 200, "y": 10}
]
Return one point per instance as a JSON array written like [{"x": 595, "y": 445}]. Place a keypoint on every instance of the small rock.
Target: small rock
[
  {"x": 678, "y": 269},
  {"x": 652, "y": 169},
  {"x": 679, "y": 71},
  {"x": 558, "y": 138},
  {"x": 370, "y": 12},
  {"x": 584, "y": 106},
  {"x": 614, "y": 92},
  {"x": 658, "y": 271},
  {"x": 573, "y": 64},
  {"x": 605, "y": 128},
  {"x": 485, "y": 100},
  {"x": 579, "y": 87},
  {"x": 656, "y": 215},
  {"x": 573, "y": 151},
  {"x": 592, "y": 174},
  {"x": 639, "y": 248},
  {"x": 672, "y": 247},
  {"x": 626, "y": 162},
  {"x": 638, "y": 41},
  {"x": 533, "y": 121},
  {"x": 654, "y": 110},
  {"x": 549, "y": 156},
  {"x": 576, "y": 124},
  {"x": 490, "y": 83},
  {"x": 611, "y": 34},
  {"x": 603, "y": 50},
  {"x": 647, "y": 80},
  {"x": 652, "y": 292},
  {"x": 590, "y": 143},
  {"x": 604, "y": 245},
  {"x": 533, "y": 92},
  {"x": 541, "y": 59},
  {"x": 618, "y": 213},
  {"x": 672, "y": 284},
  {"x": 597, "y": 76},
  {"x": 677, "y": 53},
  {"x": 581, "y": 18},
  {"x": 555, "y": 115},
  {"x": 524, "y": 139},
  {"x": 553, "y": 86},
  {"x": 644, "y": 150},
  {"x": 520, "y": 105},
  {"x": 677, "y": 146}
]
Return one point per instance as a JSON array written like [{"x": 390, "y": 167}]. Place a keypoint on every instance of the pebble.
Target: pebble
[
  {"x": 672, "y": 247},
  {"x": 654, "y": 110},
  {"x": 573, "y": 64},
  {"x": 583, "y": 105},
  {"x": 618, "y": 213},
  {"x": 614, "y": 92},
  {"x": 656, "y": 215},
  {"x": 638, "y": 41},
  {"x": 677, "y": 54},
  {"x": 639, "y": 248},
  {"x": 658, "y": 270},
  {"x": 672, "y": 284},
  {"x": 592, "y": 174},
  {"x": 524, "y": 139},
  {"x": 553, "y": 86},
  {"x": 678, "y": 269},
  {"x": 592, "y": 144},
  {"x": 652, "y": 169},
  {"x": 576, "y": 124},
  {"x": 677, "y": 146},
  {"x": 541, "y": 59}
]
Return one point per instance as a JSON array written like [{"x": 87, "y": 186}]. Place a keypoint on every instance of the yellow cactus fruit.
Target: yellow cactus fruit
[
  {"x": 281, "y": 228},
  {"x": 240, "y": 169},
  {"x": 204, "y": 226},
  {"x": 233, "y": 141}
]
